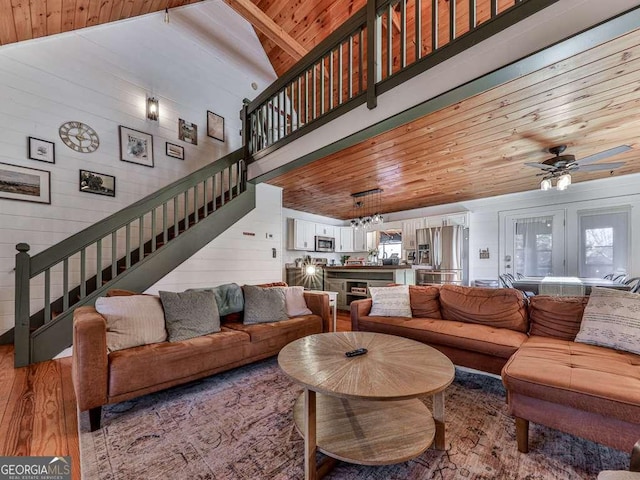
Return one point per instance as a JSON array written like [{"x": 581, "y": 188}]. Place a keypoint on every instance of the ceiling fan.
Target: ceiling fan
[{"x": 561, "y": 166}]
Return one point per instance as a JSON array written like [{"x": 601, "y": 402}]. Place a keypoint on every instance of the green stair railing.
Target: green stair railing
[
  {"x": 167, "y": 227},
  {"x": 382, "y": 45}
]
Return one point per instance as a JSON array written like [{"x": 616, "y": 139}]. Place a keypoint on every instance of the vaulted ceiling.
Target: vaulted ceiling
[{"x": 474, "y": 149}]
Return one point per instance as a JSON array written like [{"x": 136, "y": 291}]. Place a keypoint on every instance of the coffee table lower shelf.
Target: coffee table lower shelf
[{"x": 368, "y": 432}]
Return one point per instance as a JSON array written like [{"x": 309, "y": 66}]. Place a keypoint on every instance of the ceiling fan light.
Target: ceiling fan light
[
  {"x": 563, "y": 181},
  {"x": 545, "y": 184}
]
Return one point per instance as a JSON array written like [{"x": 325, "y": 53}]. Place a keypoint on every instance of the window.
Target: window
[
  {"x": 390, "y": 243},
  {"x": 604, "y": 242}
]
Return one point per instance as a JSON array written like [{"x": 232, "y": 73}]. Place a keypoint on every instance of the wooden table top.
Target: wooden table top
[
  {"x": 533, "y": 284},
  {"x": 394, "y": 368}
]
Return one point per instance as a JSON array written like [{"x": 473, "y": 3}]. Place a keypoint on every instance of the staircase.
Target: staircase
[{"x": 131, "y": 249}]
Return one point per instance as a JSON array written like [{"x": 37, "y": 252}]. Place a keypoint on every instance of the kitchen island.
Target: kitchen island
[{"x": 353, "y": 282}]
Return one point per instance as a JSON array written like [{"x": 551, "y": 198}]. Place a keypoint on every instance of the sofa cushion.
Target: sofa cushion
[
  {"x": 425, "y": 301},
  {"x": 264, "y": 331},
  {"x": 557, "y": 317},
  {"x": 295, "y": 302},
  {"x": 611, "y": 319},
  {"x": 132, "y": 320},
  {"x": 587, "y": 377},
  {"x": 190, "y": 314},
  {"x": 497, "y": 307},
  {"x": 390, "y": 301},
  {"x": 264, "y": 304},
  {"x": 168, "y": 362},
  {"x": 500, "y": 342}
]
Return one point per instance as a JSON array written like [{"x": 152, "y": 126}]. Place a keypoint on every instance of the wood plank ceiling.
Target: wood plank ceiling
[
  {"x": 471, "y": 150},
  {"x": 24, "y": 20},
  {"x": 478, "y": 147}
]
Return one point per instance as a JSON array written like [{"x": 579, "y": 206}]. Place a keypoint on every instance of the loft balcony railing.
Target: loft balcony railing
[
  {"x": 74, "y": 272},
  {"x": 382, "y": 45}
]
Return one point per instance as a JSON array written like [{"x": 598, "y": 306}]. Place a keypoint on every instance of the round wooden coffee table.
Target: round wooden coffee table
[{"x": 364, "y": 409}]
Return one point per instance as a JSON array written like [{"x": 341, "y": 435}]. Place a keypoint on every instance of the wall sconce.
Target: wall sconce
[{"x": 153, "y": 106}]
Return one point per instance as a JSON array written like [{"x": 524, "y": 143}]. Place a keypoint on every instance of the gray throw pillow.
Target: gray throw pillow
[
  {"x": 189, "y": 314},
  {"x": 262, "y": 305}
]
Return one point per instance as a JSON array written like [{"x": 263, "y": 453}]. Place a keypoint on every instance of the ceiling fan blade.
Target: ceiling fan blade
[
  {"x": 600, "y": 166},
  {"x": 604, "y": 154},
  {"x": 543, "y": 166}
]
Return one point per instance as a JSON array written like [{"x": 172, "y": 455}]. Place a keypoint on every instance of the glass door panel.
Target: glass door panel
[{"x": 534, "y": 245}]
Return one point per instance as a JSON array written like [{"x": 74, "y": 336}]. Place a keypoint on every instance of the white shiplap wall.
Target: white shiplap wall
[
  {"x": 242, "y": 254},
  {"x": 205, "y": 59}
]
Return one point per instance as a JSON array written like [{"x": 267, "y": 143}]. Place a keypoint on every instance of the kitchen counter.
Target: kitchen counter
[
  {"x": 353, "y": 282},
  {"x": 368, "y": 267}
]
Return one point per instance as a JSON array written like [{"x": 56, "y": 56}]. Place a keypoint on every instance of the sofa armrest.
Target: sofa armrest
[
  {"x": 318, "y": 303},
  {"x": 359, "y": 308},
  {"x": 89, "y": 367}
]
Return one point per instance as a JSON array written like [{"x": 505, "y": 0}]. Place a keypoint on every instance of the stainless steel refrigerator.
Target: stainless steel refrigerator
[{"x": 443, "y": 255}]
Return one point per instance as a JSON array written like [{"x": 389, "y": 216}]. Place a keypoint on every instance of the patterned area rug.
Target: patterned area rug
[{"x": 238, "y": 425}]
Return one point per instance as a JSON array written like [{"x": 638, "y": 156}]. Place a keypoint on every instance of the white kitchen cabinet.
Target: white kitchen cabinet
[
  {"x": 323, "y": 230},
  {"x": 409, "y": 228},
  {"x": 359, "y": 240},
  {"x": 457, "y": 219},
  {"x": 344, "y": 240},
  {"x": 301, "y": 234}
]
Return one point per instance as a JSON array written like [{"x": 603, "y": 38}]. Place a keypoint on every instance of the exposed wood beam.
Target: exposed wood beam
[{"x": 268, "y": 27}]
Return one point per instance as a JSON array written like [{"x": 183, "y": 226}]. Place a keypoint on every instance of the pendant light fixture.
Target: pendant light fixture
[{"x": 366, "y": 208}]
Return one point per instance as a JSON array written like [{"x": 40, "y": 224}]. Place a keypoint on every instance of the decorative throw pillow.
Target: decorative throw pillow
[
  {"x": 262, "y": 305},
  {"x": 228, "y": 297},
  {"x": 611, "y": 319},
  {"x": 295, "y": 302},
  {"x": 390, "y": 301},
  {"x": 132, "y": 320},
  {"x": 190, "y": 314}
]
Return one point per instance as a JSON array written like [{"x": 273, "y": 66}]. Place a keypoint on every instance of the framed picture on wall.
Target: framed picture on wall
[
  {"x": 187, "y": 132},
  {"x": 215, "y": 126},
  {"x": 175, "y": 151},
  {"x": 41, "y": 150},
  {"x": 26, "y": 184},
  {"x": 99, "y": 183},
  {"x": 136, "y": 147}
]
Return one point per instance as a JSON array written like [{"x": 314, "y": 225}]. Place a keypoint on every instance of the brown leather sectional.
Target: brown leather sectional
[
  {"x": 585, "y": 390},
  {"x": 100, "y": 378}
]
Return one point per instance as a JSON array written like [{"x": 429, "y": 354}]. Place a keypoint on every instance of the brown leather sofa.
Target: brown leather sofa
[
  {"x": 585, "y": 390},
  {"x": 477, "y": 328},
  {"x": 101, "y": 378}
]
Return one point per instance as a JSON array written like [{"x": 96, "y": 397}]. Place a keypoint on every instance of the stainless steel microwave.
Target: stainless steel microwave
[{"x": 325, "y": 244}]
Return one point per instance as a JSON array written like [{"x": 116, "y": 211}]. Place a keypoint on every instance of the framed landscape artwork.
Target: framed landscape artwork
[
  {"x": 175, "y": 151},
  {"x": 99, "y": 183},
  {"x": 42, "y": 150},
  {"x": 187, "y": 132},
  {"x": 215, "y": 126},
  {"x": 22, "y": 183},
  {"x": 136, "y": 147}
]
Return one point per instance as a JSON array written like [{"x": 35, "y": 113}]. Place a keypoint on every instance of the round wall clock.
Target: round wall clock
[{"x": 79, "y": 137}]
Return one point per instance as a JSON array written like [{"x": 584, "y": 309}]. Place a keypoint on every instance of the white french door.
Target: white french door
[{"x": 534, "y": 244}]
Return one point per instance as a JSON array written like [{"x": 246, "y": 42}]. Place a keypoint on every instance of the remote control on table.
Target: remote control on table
[{"x": 356, "y": 352}]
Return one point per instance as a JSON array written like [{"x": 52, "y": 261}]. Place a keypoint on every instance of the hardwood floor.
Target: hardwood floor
[
  {"x": 38, "y": 410},
  {"x": 38, "y": 407}
]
